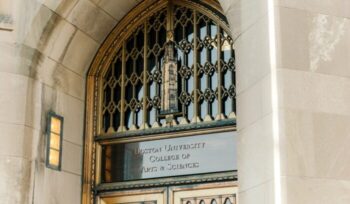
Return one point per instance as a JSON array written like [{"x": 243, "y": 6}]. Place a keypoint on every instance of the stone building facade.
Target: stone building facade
[{"x": 293, "y": 96}]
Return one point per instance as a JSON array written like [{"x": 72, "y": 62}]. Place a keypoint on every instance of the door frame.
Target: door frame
[
  {"x": 158, "y": 194},
  {"x": 167, "y": 193},
  {"x": 229, "y": 185}
]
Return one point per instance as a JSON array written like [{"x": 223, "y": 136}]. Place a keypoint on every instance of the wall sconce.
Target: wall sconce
[{"x": 54, "y": 141}]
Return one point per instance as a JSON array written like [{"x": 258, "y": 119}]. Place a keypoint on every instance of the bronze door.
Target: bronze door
[{"x": 214, "y": 193}]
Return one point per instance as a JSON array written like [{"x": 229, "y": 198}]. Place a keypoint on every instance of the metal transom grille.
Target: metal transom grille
[
  {"x": 219, "y": 199},
  {"x": 132, "y": 86}
]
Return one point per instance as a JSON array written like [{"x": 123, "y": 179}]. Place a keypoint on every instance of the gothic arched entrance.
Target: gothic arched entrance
[{"x": 161, "y": 108}]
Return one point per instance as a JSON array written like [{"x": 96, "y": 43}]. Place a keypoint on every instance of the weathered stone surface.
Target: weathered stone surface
[
  {"x": 72, "y": 157},
  {"x": 92, "y": 20},
  {"x": 256, "y": 167},
  {"x": 117, "y": 9},
  {"x": 309, "y": 145},
  {"x": 318, "y": 49},
  {"x": 252, "y": 49},
  {"x": 61, "y": 7},
  {"x": 51, "y": 184},
  {"x": 338, "y": 8},
  {"x": 314, "y": 92},
  {"x": 80, "y": 53},
  {"x": 13, "y": 89},
  {"x": 69, "y": 82},
  {"x": 59, "y": 40},
  {"x": 73, "y": 110},
  {"x": 254, "y": 103},
  {"x": 15, "y": 180},
  {"x": 315, "y": 190},
  {"x": 242, "y": 14},
  {"x": 263, "y": 194},
  {"x": 42, "y": 24},
  {"x": 18, "y": 136}
]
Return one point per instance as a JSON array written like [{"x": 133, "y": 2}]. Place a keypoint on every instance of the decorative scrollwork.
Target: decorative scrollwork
[
  {"x": 185, "y": 72},
  {"x": 132, "y": 86},
  {"x": 185, "y": 98},
  {"x": 185, "y": 46}
]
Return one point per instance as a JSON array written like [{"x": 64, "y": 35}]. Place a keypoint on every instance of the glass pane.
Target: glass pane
[
  {"x": 214, "y": 81},
  {"x": 169, "y": 157},
  {"x": 203, "y": 83},
  {"x": 128, "y": 118},
  {"x": 228, "y": 106},
  {"x": 55, "y": 141},
  {"x": 139, "y": 66},
  {"x": 54, "y": 157},
  {"x": 190, "y": 112},
  {"x": 118, "y": 69},
  {"x": 140, "y": 39},
  {"x": 190, "y": 84},
  {"x": 227, "y": 201},
  {"x": 202, "y": 56},
  {"x": 189, "y": 32},
  {"x": 130, "y": 44},
  {"x": 116, "y": 120},
  {"x": 153, "y": 89},
  {"x": 152, "y": 37},
  {"x": 162, "y": 36},
  {"x": 139, "y": 91},
  {"x": 107, "y": 95},
  {"x": 152, "y": 116},
  {"x": 129, "y": 67},
  {"x": 214, "y": 109},
  {"x": 129, "y": 92},
  {"x": 203, "y": 109},
  {"x": 55, "y": 125},
  {"x": 178, "y": 33},
  {"x": 202, "y": 27},
  {"x": 214, "y": 54},
  {"x": 190, "y": 59},
  {"x": 106, "y": 121},
  {"x": 228, "y": 79},
  {"x": 139, "y": 118},
  {"x": 151, "y": 64},
  {"x": 213, "y": 30}
]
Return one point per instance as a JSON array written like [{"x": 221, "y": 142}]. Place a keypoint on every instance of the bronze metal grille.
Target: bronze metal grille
[
  {"x": 218, "y": 199},
  {"x": 206, "y": 73}
]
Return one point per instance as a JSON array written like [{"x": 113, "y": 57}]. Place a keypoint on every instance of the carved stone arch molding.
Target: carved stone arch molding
[{"x": 102, "y": 62}]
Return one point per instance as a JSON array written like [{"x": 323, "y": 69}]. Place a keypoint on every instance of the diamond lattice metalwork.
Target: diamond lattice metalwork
[{"x": 205, "y": 71}]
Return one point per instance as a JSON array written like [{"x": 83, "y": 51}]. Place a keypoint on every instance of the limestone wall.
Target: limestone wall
[
  {"x": 313, "y": 52},
  {"x": 293, "y": 100},
  {"x": 45, "y": 54}
]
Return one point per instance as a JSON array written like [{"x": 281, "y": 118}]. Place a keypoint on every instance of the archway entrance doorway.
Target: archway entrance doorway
[{"x": 161, "y": 108}]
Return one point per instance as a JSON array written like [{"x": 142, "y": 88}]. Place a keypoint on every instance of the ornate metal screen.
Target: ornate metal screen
[
  {"x": 132, "y": 86},
  {"x": 217, "y": 199}
]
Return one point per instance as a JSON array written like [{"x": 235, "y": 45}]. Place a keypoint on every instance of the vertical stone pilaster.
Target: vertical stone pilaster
[
  {"x": 313, "y": 62},
  {"x": 293, "y": 95},
  {"x": 250, "y": 24}
]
